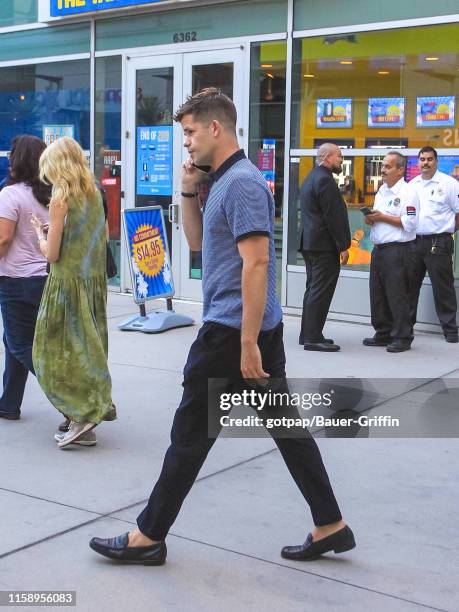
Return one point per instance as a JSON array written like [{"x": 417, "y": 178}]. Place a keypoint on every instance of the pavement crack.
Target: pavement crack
[
  {"x": 143, "y": 367},
  {"x": 49, "y": 501}
]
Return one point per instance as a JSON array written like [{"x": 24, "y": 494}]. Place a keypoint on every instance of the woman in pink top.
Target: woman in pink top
[{"x": 22, "y": 267}]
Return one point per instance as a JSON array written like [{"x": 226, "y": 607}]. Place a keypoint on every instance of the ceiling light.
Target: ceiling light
[
  {"x": 268, "y": 74},
  {"x": 346, "y": 62},
  {"x": 431, "y": 59},
  {"x": 309, "y": 76},
  {"x": 383, "y": 72},
  {"x": 266, "y": 65},
  {"x": 330, "y": 40}
]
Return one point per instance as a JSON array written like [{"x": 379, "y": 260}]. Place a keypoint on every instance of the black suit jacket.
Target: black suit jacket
[{"x": 325, "y": 224}]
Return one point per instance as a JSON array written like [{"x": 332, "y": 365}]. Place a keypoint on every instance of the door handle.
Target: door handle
[{"x": 174, "y": 214}]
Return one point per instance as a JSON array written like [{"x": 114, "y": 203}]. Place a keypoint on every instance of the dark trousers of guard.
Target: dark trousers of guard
[
  {"x": 322, "y": 273},
  {"x": 216, "y": 354},
  {"x": 389, "y": 295},
  {"x": 434, "y": 254}
]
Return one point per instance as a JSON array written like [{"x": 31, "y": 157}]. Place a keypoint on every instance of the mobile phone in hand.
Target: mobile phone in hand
[
  {"x": 202, "y": 168},
  {"x": 366, "y": 210}
]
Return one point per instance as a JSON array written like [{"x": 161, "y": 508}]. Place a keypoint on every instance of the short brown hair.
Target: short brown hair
[{"x": 210, "y": 103}]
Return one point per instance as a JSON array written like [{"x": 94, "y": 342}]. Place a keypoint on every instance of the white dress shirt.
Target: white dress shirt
[
  {"x": 439, "y": 197},
  {"x": 402, "y": 201}
]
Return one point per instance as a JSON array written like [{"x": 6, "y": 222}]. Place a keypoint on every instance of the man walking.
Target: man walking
[
  {"x": 438, "y": 220},
  {"x": 325, "y": 238},
  {"x": 393, "y": 231},
  {"x": 241, "y": 337}
]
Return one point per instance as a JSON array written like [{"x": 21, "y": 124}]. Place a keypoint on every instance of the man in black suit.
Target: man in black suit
[{"x": 325, "y": 238}]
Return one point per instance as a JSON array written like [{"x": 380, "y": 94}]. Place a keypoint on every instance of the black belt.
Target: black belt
[
  {"x": 433, "y": 235},
  {"x": 386, "y": 245}
]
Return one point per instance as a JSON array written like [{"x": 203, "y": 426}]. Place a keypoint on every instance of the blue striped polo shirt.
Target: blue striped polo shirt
[{"x": 239, "y": 205}]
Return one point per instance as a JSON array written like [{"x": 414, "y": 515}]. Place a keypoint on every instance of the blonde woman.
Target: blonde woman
[{"x": 71, "y": 343}]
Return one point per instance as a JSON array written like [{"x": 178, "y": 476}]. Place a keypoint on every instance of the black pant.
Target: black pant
[
  {"x": 19, "y": 300},
  {"x": 439, "y": 265},
  {"x": 389, "y": 296},
  {"x": 322, "y": 273},
  {"x": 216, "y": 354}
]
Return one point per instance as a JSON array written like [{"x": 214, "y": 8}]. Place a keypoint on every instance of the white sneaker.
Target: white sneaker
[
  {"x": 87, "y": 439},
  {"x": 76, "y": 430}
]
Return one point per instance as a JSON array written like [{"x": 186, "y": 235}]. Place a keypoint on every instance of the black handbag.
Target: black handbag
[{"x": 112, "y": 270}]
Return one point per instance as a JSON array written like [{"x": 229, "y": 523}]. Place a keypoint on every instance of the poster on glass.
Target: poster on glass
[{"x": 154, "y": 160}]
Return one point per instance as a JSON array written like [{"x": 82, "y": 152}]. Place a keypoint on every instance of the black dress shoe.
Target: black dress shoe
[
  {"x": 10, "y": 416},
  {"x": 327, "y": 340},
  {"x": 376, "y": 341},
  {"x": 338, "y": 542},
  {"x": 118, "y": 549},
  {"x": 398, "y": 346},
  {"x": 325, "y": 347},
  {"x": 452, "y": 338}
]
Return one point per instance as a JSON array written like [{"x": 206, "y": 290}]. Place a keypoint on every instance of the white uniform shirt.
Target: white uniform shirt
[
  {"x": 402, "y": 201},
  {"x": 439, "y": 199}
]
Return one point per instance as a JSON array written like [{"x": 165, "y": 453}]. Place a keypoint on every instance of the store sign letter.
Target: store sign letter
[{"x": 62, "y": 8}]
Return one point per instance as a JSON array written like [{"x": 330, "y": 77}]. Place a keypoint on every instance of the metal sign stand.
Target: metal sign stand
[{"x": 156, "y": 321}]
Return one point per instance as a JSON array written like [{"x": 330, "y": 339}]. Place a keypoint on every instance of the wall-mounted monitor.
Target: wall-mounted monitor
[
  {"x": 386, "y": 112},
  {"x": 334, "y": 113},
  {"x": 435, "y": 111}
]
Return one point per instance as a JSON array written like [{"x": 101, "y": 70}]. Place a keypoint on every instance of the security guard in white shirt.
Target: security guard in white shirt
[
  {"x": 438, "y": 220},
  {"x": 393, "y": 231}
]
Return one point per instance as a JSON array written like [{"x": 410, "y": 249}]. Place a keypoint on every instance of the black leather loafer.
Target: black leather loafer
[
  {"x": 118, "y": 549},
  {"x": 452, "y": 338},
  {"x": 326, "y": 340},
  {"x": 398, "y": 346},
  {"x": 338, "y": 542},
  {"x": 375, "y": 342},
  {"x": 10, "y": 416},
  {"x": 325, "y": 347}
]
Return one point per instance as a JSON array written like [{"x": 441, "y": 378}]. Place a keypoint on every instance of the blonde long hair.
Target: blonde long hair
[{"x": 64, "y": 165}]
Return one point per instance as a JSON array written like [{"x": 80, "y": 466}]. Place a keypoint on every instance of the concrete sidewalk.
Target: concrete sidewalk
[{"x": 399, "y": 495}]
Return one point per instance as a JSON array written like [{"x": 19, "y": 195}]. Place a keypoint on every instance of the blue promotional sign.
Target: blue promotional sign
[
  {"x": 386, "y": 112},
  {"x": 148, "y": 253},
  {"x": 435, "y": 111},
  {"x": 154, "y": 160},
  {"x": 334, "y": 112},
  {"x": 267, "y": 162},
  {"x": 61, "y": 8}
]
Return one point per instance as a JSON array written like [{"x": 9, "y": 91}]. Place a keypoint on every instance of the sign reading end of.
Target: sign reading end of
[{"x": 61, "y": 8}]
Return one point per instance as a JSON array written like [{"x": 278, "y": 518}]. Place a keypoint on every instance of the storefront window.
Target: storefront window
[
  {"x": 373, "y": 91},
  {"x": 107, "y": 146},
  {"x": 17, "y": 12},
  {"x": 267, "y": 125},
  {"x": 45, "y": 100}
]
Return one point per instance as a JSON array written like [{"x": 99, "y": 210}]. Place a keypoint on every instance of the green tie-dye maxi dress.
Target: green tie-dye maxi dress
[{"x": 71, "y": 342}]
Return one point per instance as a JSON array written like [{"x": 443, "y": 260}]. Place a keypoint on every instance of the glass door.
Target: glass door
[
  {"x": 156, "y": 86},
  {"x": 153, "y": 143},
  {"x": 222, "y": 69}
]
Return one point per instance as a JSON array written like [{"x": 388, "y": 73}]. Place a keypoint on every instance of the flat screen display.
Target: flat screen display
[
  {"x": 334, "y": 113},
  {"x": 435, "y": 111},
  {"x": 386, "y": 112}
]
